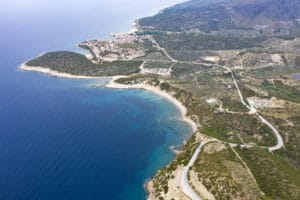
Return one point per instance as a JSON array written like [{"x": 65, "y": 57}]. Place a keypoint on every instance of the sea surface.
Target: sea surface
[{"x": 61, "y": 139}]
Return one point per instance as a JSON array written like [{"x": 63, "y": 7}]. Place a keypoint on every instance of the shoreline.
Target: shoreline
[
  {"x": 148, "y": 184},
  {"x": 45, "y": 70},
  {"x": 113, "y": 85},
  {"x": 183, "y": 110}
]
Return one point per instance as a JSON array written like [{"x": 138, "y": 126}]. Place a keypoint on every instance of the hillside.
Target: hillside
[{"x": 267, "y": 17}]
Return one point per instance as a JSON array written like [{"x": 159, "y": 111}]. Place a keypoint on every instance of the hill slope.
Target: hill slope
[{"x": 275, "y": 16}]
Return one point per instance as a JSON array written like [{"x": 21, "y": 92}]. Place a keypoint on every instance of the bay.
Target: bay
[{"x": 61, "y": 139}]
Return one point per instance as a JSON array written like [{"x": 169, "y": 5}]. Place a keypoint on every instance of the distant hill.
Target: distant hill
[{"x": 269, "y": 17}]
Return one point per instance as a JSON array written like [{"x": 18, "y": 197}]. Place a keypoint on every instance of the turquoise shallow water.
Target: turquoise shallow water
[
  {"x": 73, "y": 142},
  {"x": 60, "y": 139}
]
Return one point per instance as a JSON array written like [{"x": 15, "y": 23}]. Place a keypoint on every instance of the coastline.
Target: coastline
[
  {"x": 148, "y": 184},
  {"x": 54, "y": 73},
  {"x": 178, "y": 177},
  {"x": 183, "y": 110},
  {"x": 113, "y": 85}
]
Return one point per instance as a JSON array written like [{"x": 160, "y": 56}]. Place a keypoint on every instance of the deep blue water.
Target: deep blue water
[{"x": 60, "y": 139}]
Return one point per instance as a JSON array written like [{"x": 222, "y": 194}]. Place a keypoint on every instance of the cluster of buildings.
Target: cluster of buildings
[
  {"x": 123, "y": 46},
  {"x": 261, "y": 103}
]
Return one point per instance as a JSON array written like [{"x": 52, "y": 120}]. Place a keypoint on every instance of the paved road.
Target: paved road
[
  {"x": 280, "y": 143},
  {"x": 186, "y": 188}
]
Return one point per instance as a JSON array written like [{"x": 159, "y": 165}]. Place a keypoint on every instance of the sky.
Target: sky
[
  {"x": 50, "y": 5},
  {"x": 71, "y": 11},
  {"x": 52, "y": 21}
]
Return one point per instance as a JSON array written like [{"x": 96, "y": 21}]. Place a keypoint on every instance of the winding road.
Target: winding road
[
  {"x": 280, "y": 143},
  {"x": 186, "y": 188}
]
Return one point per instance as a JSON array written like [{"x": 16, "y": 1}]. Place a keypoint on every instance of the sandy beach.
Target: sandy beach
[
  {"x": 113, "y": 84},
  {"x": 156, "y": 90},
  {"x": 51, "y": 72}
]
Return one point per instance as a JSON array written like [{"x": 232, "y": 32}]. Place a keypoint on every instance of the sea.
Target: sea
[{"x": 61, "y": 139}]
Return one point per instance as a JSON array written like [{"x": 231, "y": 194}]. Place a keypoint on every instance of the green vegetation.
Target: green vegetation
[
  {"x": 179, "y": 19},
  {"x": 134, "y": 79},
  {"x": 160, "y": 181},
  {"x": 129, "y": 45},
  {"x": 157, "y": 64},
  {"x": 151, "y": 52},
  {"x": 270, "y": 72},
  {"x": 280, "y": 90},
  {"x": 217, "y": 131},
  {"x": 233, "y": 105},
  {"x": 77, "y": 64},
  {"x": 199, "y": 42},
  {"x": 165, "y": 86},
  {"x": 231, "y": 17},
  {"x": 263, "y": 59},
  {"x": 241, "y": 128},
  {"x": 276, "y": 178},
  {"x": 190, "y": 46},
  {"x": 185, "y": 69},
  {"x": 247, "y": 92},
  {"x": 154, "y": 55},
  {"x": 218, "y": 172},
  {"x": 291, "y": 152}
]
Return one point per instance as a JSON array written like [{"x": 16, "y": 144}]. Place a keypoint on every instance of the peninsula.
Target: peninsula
[{"x": 228, "y": 65}]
